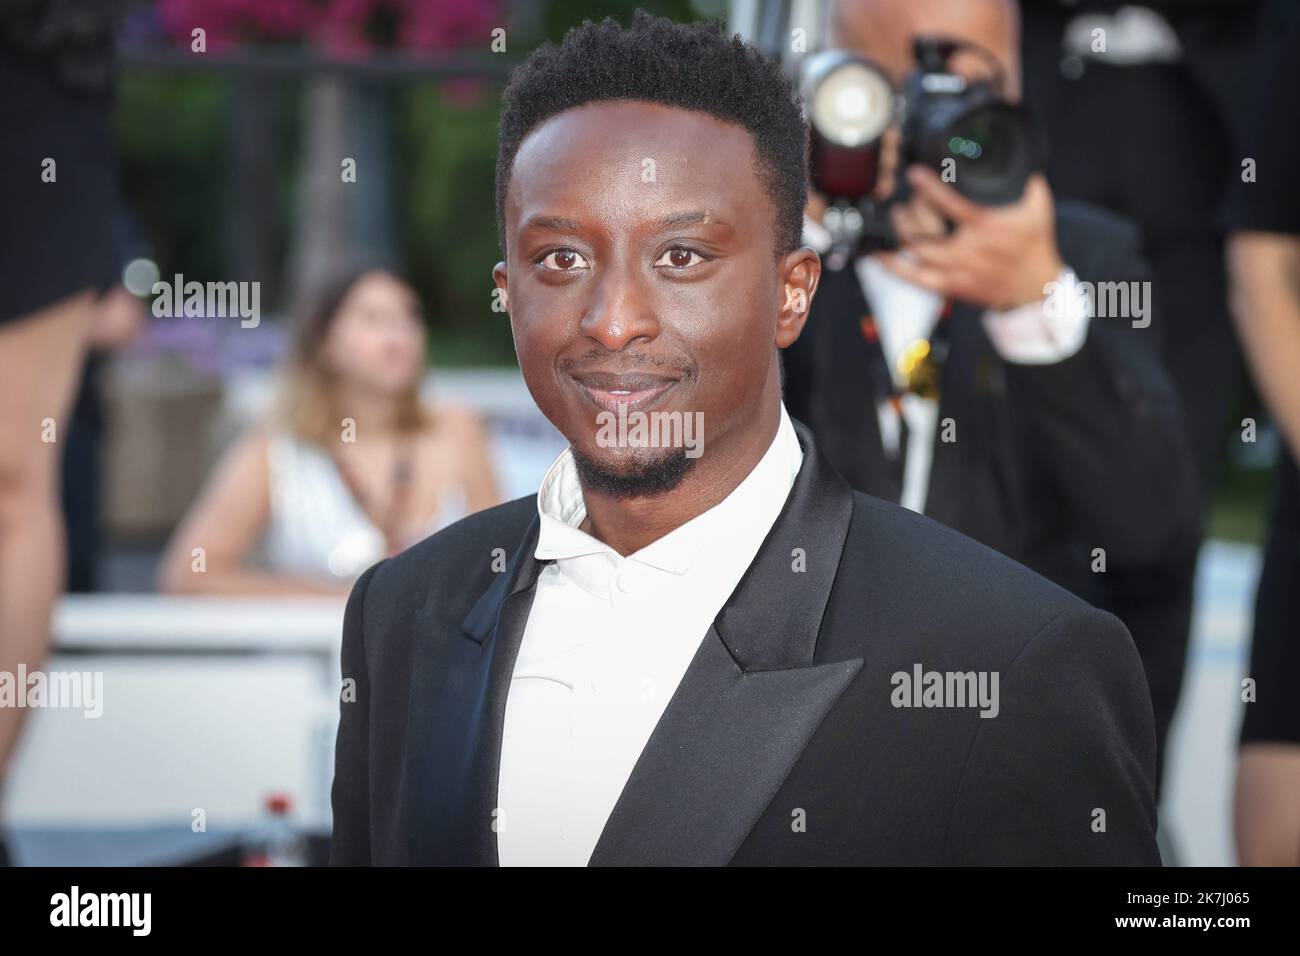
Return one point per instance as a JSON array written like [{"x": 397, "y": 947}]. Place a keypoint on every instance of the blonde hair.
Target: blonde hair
[{"x": 305, "y": 402}]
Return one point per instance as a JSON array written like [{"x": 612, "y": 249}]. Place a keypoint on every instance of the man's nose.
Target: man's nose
[{"x": 621, "y": 311}]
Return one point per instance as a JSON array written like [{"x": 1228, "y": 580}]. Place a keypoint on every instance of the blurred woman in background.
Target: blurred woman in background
[{"x": 349, "y": 468}]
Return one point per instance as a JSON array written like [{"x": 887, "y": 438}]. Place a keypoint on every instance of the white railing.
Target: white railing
[{"x": 208, "y": 704}]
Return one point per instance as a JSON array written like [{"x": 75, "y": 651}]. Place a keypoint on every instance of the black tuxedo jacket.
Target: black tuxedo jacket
[{"x": 782, "y": 744}]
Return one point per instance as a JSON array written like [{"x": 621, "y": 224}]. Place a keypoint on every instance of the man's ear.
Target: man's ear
[
  {"x": 501, "y": 278},
  {"x": 800, "y": 272}
]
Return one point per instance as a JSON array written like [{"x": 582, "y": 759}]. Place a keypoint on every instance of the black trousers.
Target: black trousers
[{"x": 1274, "y": 716}]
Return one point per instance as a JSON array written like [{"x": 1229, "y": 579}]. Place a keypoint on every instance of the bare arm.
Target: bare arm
[
  {"x": 1264, "y": 269},
  {"x": 207, "y": 552}
]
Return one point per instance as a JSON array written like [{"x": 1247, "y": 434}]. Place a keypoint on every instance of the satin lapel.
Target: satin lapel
[
  {"x": 717, "y": 757},
  {"x": 457, "y": 712},
  {"x": 751, "y": 699}
]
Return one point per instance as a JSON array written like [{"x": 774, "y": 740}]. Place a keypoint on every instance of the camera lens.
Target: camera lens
[{"x": 990, "y": 147}]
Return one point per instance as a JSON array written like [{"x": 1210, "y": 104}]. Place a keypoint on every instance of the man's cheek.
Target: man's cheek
[
  {"x": 536, "y": 360},
  {"x": 532, "y": 330}
]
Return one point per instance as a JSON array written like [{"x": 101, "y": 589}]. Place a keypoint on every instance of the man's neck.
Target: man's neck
[{"x": 629, "y": 524}]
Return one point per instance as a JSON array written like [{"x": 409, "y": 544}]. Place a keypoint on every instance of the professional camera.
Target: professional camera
[{"x": 964, "y": 129}]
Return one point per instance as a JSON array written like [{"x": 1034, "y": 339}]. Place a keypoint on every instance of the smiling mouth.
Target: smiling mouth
[{"x": 636, "y": 391}]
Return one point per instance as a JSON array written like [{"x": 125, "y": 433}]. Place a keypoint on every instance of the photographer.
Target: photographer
[{"x": 944, "y": 367}]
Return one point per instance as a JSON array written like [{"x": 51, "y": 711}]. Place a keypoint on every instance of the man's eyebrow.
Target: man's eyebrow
[
  {"x": 553, "y": 223},
  {"x": 672, "y": 221},
  {"x": 678, "y": 219}
]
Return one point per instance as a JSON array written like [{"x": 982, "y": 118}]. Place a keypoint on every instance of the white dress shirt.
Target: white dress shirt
[
  {"x": 608, "y": 640},
  {"x": 1030, "y": 334}
]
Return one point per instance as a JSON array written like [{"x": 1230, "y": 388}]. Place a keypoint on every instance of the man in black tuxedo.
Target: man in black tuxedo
[
  {"x": 709, "y": 650},
  {"x": 1061, "y": 445}
]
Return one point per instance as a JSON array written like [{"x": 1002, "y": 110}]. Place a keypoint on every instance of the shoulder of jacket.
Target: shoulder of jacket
[{"x": 921, "y": 555}]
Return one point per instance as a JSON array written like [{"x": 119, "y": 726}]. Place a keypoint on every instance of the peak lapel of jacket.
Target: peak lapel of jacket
[
  {"x": 751, "y": 698},
  {"x": 520, "y": 574},
  {"x": 457, "y": 714},
  {"x": 773, "y": 617}
]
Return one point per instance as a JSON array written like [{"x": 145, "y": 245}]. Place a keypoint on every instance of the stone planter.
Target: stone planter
[{"x": 162, "y": 422}]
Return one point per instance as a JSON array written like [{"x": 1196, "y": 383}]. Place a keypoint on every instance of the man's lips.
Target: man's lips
[{"x": 636, "y": 390}]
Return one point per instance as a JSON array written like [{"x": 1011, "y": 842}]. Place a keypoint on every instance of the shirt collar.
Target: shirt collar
[{"x": 562, "y": 509}]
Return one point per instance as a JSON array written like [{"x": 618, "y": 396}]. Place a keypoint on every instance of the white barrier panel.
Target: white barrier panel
[{"x": 208, "y": 705}]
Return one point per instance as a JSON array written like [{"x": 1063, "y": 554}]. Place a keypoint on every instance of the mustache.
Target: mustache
[{"x": 627, "y": 362}]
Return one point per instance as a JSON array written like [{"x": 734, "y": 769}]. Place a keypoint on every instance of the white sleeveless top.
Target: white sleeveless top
[{"x": 316, "y": 527}]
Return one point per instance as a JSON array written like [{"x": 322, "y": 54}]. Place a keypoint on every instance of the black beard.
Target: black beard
[{"x": 646, "y": 480}]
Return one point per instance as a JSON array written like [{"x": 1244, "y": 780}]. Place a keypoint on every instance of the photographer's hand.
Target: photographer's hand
[{"x": 998, "y": 257}]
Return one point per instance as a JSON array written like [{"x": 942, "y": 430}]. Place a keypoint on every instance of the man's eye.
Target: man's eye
[
  {"x": 564, "y": 260},
  {"x": 679, "y": 257}
]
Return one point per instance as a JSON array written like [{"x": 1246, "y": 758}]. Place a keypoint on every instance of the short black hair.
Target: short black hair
[{"x": 690, "y": 66}]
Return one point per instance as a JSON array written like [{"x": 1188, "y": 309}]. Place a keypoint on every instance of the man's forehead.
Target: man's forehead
[{"x": 631, "y": 154}]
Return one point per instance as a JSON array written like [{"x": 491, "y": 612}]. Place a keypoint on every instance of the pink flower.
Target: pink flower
[
  {"x": 347, "y": 29},
  {"x": 228, "y": 22}
]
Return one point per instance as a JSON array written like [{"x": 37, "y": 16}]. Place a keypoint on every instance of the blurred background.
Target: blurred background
[{"x": 228, "y": 146}]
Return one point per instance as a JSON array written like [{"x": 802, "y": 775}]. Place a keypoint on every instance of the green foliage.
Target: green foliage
[
  {"x": 1239, "y": 510},
  {"x": 171, "y": 130},
  {"x": 447, "y": 154}
]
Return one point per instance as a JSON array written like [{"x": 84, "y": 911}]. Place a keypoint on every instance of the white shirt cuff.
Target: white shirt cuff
[{"x": 1044, "y": 332}]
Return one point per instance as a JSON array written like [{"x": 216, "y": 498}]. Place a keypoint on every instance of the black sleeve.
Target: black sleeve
[
  {"x": 1064, "y": 775},
  {"x": 349, "y": 795},
  {"x": 1272, "y": 202},
  {"x": 1105, "y": 427}
]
